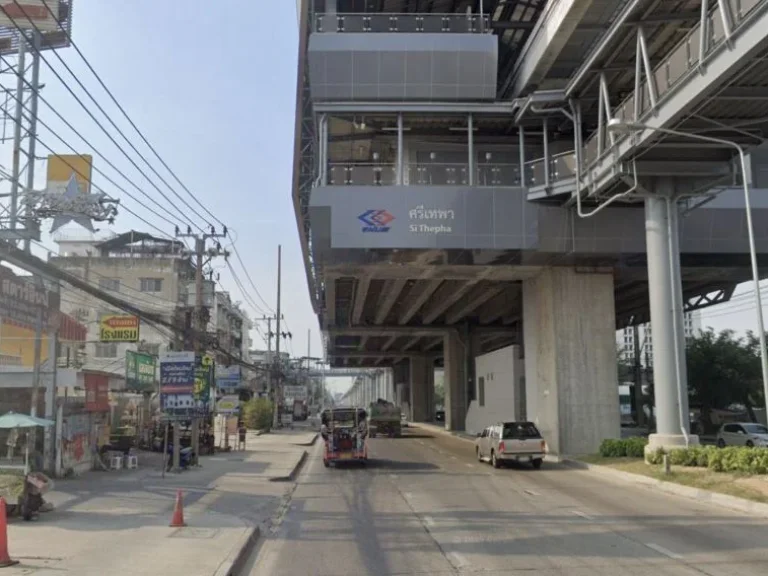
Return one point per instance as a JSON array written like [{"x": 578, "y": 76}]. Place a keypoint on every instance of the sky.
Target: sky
[{"x": 212, "y": 85}]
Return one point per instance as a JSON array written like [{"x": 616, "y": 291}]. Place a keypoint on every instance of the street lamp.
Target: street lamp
[{"x": 618, "y": 127}]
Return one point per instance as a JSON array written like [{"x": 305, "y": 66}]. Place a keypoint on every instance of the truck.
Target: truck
[
  {"x": 299, "y": 410},
  {"x": 384, "y": 418}
]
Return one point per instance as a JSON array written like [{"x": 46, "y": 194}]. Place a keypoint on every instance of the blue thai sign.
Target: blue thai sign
[
  {"x": 228, "y": 378},
  {"x": 177, "y": 373}
]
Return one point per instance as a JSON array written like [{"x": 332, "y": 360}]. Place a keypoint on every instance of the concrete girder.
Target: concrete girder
[
  {"x": 420, "y": 295},
  {"x": 419, "y": 271},
  {"x": 363, "y": 342},
  {"x": 377, "y": 355},
  {"x": 501, "y": 304},
  {"x": 329, "y": 318},
  {"x": 361, "y": 292},
  {"x": 388, "y": 297},
  {"x": 412, "y": 342},
  {"x": 446, "y": 297},
  {"x": 387, "y": 330},
  {"x": 389, "y": 343},
  {"x": 471, "y": 302}
]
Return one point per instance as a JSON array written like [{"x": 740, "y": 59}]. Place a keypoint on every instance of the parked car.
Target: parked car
[
  {"x": 742, "y": 434},
  {"x": 511, "y": 441}
]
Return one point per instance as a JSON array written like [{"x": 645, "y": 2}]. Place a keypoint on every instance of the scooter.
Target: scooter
[{"x": 186, "y": 457}]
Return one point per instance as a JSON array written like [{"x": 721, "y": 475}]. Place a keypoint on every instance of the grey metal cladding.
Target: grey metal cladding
[
  {"x": 462, "y": 217},
  {"x": 397, "y": 66}
]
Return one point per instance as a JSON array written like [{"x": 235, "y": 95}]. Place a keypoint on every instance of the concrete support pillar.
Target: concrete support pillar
[
  {"x": 456, "y": 355},
  {"x": 667, "y": 328},
  {"x": 422, "y": 388},
  {"x": 569, "y": 331}
]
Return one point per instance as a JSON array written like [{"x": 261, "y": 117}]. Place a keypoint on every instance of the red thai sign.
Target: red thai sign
[{"x": 96, "y": 392}]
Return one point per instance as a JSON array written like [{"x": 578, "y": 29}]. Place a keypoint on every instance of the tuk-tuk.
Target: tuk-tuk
[{"x": 345, "y": 433}]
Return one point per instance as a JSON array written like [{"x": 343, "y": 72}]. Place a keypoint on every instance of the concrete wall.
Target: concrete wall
[
  {"x": 570, "y": 359},
  {"x": 501, "y": 372}
]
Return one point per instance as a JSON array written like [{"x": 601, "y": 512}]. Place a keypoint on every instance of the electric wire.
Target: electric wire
[{"x": 106, "y": 132}]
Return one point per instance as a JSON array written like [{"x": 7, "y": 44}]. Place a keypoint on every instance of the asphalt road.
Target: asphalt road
[{"x": 423, "y": 505}]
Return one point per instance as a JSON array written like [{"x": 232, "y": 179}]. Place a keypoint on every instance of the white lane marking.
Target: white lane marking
[
  {"x": 429, "y": 521},
  {"x": 454, "y": 458},
  {"x": 407, "y": 495},
  {"x": 582, "y": 514},
  {"x": 393, "y": 476},
  {"x": 663, "y": 551},
  {"x": 531, "y": 493},
  {"x": 457, "y": 560},
  {"x": 421, "y": 442},
  {"x": 469, "y": 465}
]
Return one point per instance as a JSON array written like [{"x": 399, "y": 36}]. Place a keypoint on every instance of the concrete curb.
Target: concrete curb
[
  {"x": 310, "y": 443},
  {"x": 293, "y": 472},
  {"x": 732, "y": 503},
  {"x": 235, "y": 560}
]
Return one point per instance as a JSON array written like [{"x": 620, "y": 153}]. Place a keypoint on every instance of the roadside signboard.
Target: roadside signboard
[
  {"x": 228, "y": 404},
  {"x": 204, "y": 368},
  {"x": 295, "y": 392},
  {"x": 228, "y": 378},
  {"x": 177, "y": 373},
  {"x": 139, "y": 371},
  {"x": 118, "y": 328},
  {"x": 30, "y": 14},
  {"x": 96, "y": 392}
]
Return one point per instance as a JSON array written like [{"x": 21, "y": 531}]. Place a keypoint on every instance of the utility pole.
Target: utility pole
[
  {"x": 276, "y": 417},
  {"x": 199, "y": 322}
]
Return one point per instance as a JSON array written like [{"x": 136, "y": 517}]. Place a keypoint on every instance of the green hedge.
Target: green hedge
[
  {"x": 627, "y": 448},
  {"x": 257, "y": 414},
  {"x": 739, "y": 459}
]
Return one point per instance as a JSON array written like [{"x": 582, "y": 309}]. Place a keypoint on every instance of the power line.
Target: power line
[
  {"x": 96, "y": 120},
  {"x": 96, "y": 151},
  {"x": 127, "y": 117}
]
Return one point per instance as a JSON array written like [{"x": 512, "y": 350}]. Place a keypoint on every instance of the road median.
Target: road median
[{"x": 734, "y": 503}]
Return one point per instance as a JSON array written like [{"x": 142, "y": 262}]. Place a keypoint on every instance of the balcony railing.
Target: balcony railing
[
  {"x": 432, "y": 174},
  {"x": 410, "y": 23},
  {"x": 682, "y": 60}
]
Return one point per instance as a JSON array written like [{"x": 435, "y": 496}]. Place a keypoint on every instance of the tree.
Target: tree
[
  {"x": 723, "y": 370},
  {"x": 439, "y": 390}
]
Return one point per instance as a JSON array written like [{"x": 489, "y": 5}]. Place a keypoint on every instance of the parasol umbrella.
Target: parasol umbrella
[{"x": 14, "y": 420}]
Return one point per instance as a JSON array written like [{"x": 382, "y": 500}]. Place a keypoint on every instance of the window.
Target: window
[
  {"x": 111, "y": 284},
  {"x": 106, "y": 350},
  {"x": 151, "y": 285},
  {"x": 481, "y": 391},
  {"x": 484, "y": 434},
  {"x": 519, "y": 431}
]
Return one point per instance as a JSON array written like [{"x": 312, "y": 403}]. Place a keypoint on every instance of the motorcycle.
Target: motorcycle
[{"x": 186, "y": 457}]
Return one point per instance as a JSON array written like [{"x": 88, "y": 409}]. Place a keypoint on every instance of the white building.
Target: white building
[
  {"x": 625, "y": 339},
  {"x": 231, "y": 325},
  {"x": 152, "y": 273}
]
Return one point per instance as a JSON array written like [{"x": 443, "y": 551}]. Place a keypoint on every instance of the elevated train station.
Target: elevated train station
[{"x": 460, "y": 186}]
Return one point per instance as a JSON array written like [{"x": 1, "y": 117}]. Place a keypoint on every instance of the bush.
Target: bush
[
  {"x": 257, "y": 414},
  {"x": 734, "y": 459},
  {"x": 631, "y": 447}
]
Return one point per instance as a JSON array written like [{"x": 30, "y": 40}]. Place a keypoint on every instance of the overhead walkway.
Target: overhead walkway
[{"x": 714, "y": 79}]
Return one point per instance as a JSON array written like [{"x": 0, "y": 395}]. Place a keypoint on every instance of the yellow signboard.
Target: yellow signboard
[
  {"x": 117, "y": 328},
  {"x": 61, "y": 167}
]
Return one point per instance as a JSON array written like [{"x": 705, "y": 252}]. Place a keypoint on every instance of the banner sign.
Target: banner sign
[
  {"x": 177, "y": 373},
  {"x": 96, "y": 392},
  {"x": 228, "y": 378},
  {"x": 204, "y": 369},
  {"x": 118, "y": 328},
  {"x": 139, "y": 371}
]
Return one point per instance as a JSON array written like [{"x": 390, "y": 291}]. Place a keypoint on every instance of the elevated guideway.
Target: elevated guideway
[{"x": 702, "y": 74}]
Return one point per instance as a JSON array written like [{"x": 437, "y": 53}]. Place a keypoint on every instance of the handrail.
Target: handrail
[
  {"x": 693, "y": 61},
  {"x": 388, "y": 22}
]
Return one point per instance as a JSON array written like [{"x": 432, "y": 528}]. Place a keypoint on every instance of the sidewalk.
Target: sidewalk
[{"x": 116, "y": 523}]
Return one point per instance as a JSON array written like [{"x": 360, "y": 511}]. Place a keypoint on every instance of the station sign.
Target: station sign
[{"x": 118, "y": 328}]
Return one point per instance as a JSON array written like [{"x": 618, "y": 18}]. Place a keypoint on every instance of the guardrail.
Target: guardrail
[
  {"x": 426, "y": 174},
  {"x": 408, "y": 23},
  {"x": 681, "y": 61}
]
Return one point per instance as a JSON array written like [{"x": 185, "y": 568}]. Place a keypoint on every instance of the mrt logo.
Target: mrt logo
[{"x": 376, "y": 220}]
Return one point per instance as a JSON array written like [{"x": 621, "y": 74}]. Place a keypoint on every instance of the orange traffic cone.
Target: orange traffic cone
[
  {"x": 5, "y": 559},
  {"x": 178, "y": 513}
]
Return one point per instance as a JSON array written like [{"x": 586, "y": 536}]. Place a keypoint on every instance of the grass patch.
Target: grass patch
[{"x": 747, "y": 486}]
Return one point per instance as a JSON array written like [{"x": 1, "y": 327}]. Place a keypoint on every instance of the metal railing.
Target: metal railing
[
  {"x": 686, "y": 57},
  {"x": 423, "y": 174},
  {"x": 413, "y": 23}
]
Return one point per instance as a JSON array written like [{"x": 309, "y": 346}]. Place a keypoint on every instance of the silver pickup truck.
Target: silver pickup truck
[{"x": 511, "y": 441}]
